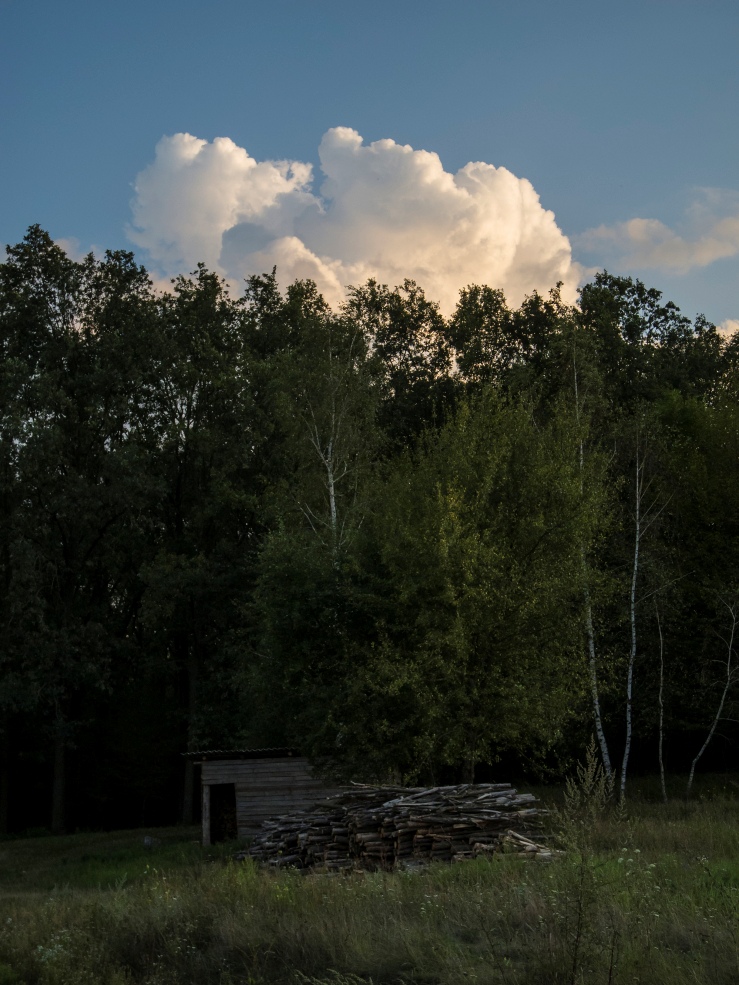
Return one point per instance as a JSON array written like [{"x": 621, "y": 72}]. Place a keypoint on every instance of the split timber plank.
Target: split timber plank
[{"x": 386, "y": 826}]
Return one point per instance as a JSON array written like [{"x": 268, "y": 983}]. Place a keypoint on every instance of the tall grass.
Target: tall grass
[{"x": 648, "y": 896}]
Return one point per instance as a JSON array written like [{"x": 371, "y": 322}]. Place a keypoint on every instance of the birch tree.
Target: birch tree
[
  {"x": 647, "y": 505},
  {"x": 661, "y": 704},
  {"x": 326, "y": 404},
  {"x": 586, "y": 577},
  {"x": 728, "y": 679},
  {"x": 323, "y": 398}
]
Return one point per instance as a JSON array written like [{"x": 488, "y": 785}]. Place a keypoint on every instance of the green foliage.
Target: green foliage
[
  {"x": 8, "y": 976},
  {"x": 376, "y": 534},
  {"x": 479, "y": 551}
]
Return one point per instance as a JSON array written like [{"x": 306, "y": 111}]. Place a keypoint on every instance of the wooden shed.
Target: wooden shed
[{"x": 242, "y": 787}]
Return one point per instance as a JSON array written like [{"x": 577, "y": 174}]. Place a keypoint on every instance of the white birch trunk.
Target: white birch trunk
[
  {"x": 592, "y": 663},
  {"x": 632, "y": 617},
  {"x": 333, "y": 513},
  {"x": 661, "y": 704},
  {"x": 594, "y": 679},
  {"x": 326, "y": 454},
  {"x": 727, "y": 685}
]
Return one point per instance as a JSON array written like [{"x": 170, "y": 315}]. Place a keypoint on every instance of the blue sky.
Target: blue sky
[{"x": 624, "y": 117}]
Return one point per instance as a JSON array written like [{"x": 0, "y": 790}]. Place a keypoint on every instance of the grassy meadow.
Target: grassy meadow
[{"x": 649, "y": 894}]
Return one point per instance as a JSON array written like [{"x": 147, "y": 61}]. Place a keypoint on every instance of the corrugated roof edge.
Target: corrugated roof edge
[{"x": 212, "y": 754}]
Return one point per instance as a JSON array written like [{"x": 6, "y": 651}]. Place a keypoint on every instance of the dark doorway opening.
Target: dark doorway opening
[{"x": 223, "y": 812}]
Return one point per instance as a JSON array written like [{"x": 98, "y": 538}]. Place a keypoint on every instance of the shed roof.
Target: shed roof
[{"x": 208, "y": 755}]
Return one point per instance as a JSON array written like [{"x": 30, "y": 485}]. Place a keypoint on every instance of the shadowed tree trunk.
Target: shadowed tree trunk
[
  {"x": 661, "y": 704},
  {"x": 188, "y": 790},
  {"x": 58, "y": 785},
  {"x": 4, "y": 778},
  {"x": 729, "y": 680}
]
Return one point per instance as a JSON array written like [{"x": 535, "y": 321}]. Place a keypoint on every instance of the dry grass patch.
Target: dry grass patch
[{"x": 651, "y": 895}]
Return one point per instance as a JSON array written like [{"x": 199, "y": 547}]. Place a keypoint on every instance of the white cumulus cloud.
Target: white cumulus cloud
[
  {"x": 729, "y": 327},
  {"x": 380, "y": 210}
]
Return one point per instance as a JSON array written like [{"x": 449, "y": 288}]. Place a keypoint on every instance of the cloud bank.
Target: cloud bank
[
  {"x": 711, "y": 232},
  {"x": 382, "y": 210}
]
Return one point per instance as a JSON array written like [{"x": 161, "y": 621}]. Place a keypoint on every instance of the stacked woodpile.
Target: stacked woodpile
[{"x": 385, "y": 827}]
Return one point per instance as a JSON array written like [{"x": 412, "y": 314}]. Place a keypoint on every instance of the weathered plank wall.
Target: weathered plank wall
[{"x": 264, "y": 788}]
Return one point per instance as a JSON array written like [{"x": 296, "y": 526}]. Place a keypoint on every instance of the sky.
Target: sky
[{"x": 514, "y": 144}]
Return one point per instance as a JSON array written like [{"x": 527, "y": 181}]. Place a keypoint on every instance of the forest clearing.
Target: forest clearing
[
  {"x": 369, "y": 493},
  {"x": 645, "y": 895},
  {"x": 408, "y": 549}
]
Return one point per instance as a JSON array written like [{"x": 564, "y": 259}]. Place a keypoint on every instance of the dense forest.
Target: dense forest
[{"x": 413, "y": 547}]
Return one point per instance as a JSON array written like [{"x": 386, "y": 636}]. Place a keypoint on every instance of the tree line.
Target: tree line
[{"x": 411, "y": 546}]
